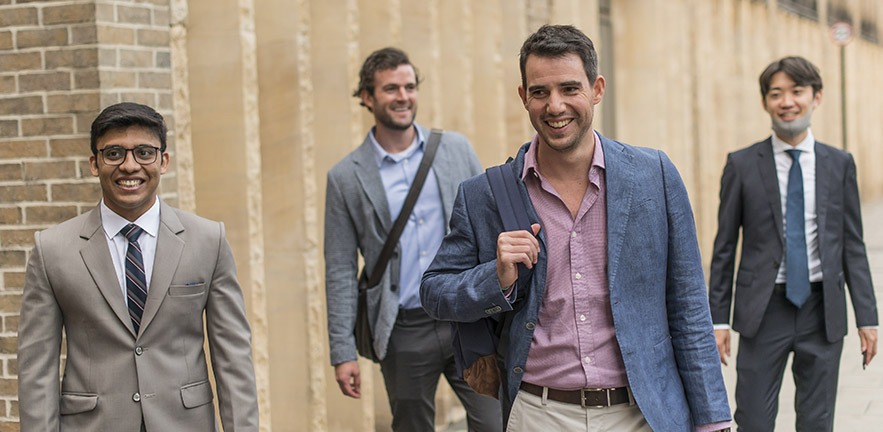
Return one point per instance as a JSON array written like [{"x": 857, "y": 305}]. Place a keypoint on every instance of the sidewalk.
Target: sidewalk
[{"x": 860, "y": 393}]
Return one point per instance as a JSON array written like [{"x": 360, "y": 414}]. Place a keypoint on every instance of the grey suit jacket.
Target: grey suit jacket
[
  {"x": 114, "y": 379},
  {"x": 750, "y": 202},
  {"x": 357, "y": 221}
]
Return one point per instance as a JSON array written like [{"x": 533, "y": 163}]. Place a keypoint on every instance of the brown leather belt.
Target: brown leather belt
[{"x": 586, "y": 398}]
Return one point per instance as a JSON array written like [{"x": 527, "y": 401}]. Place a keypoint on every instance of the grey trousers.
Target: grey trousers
[
  {"x": 420, "y": 351},
  {"x": 760, "y": 366}
]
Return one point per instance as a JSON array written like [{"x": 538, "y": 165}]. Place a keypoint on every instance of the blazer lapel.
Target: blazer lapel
[
  {"x": 169, "y": 248},
  {"x": 96, "y": 256},
  {"x": 368, "y": 176},
  {"x": 620, "y": 184},
  {"x": 766, "y": 165},
  {"x": 823, "y": 180}
]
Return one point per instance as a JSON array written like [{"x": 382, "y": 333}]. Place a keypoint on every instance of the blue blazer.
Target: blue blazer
[{"x": 657, "y": 290}]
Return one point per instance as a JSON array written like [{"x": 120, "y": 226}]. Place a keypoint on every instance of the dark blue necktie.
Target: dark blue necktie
[
  {"x": 136, "y": 281},
  {"x": 796, "y": 265}
]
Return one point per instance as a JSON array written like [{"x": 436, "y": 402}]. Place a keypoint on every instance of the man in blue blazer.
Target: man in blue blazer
[
  {"x": 818, "y": 246},
  {"x": 612, "y": 330}
]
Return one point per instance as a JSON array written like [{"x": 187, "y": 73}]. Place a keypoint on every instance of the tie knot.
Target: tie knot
[
  {"x": 132, "y": 232},
  {"x": 795, "y": 154}
]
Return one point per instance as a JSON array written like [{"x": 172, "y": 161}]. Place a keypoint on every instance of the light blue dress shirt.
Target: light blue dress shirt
[{"x": 425, "y": 229}]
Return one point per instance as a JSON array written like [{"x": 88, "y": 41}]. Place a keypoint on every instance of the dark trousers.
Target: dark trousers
[
  {"x": 760, "y": 366},
  {"x": 419, "y": 352}
]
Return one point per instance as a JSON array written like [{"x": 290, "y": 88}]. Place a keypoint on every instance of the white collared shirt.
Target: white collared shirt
[
  {"x": 808, "y": 169},
  {"x": 112, "y": 223}
]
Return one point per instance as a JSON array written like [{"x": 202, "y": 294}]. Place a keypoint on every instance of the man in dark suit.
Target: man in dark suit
[
  {"x": 796, "y": 203},
  {"x": 128, "y": 283}
]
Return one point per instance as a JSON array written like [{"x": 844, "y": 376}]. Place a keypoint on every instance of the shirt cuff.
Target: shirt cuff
[
  {"x": 868, "y": 327},
  {"x": 721, "y": 326},
  {"x": 711, "y": 427}
]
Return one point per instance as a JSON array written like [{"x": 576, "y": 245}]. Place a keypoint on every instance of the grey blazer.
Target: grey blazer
[
  {"x": 358, "y": 220},
  {"x": 115, "y": 379},
  {"x": 750, "y": 202}
]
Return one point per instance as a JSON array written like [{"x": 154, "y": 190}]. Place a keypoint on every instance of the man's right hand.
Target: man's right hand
[
  {"x": 347, "y": 375},
  {"x": 515, "y": 247},
  {"x": 722, "y": 337}
]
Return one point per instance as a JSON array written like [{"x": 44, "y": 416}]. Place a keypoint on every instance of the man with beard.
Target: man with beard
[
  {"x": 611, "y": 332},
  {"x": 796, "y": 203},
  {"x": 365, "y": 193}
]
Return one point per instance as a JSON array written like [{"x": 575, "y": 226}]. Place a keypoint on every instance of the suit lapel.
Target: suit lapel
[
  {"x": 169, "y": 248},
  {"x": 97, "y": 258},
  {"x": 766, "y": 165},
  {"x": 620, "y": 184},
  {"x": 366, "y": 172},
  {"x": 823, "y": 180}
]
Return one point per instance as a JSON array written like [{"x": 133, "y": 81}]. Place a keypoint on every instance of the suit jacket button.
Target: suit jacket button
[
  {"x": 530, "y": 326},
  {"x": 517, "y": 369},
  {"x": 136, "y": 397},
  {"x": 139, "y": 350}
]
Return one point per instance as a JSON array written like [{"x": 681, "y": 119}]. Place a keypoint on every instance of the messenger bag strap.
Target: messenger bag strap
[{"x": 411, "y": 199}]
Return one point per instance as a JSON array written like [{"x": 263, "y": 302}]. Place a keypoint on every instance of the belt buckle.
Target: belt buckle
[{"x": 582, "y": 397}]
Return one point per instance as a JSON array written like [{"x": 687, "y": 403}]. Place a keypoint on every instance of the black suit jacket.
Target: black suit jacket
[{"x": 750, "y": 201}]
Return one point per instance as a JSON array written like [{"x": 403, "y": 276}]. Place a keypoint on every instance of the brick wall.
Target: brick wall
[{"x": 61, "y": 62}]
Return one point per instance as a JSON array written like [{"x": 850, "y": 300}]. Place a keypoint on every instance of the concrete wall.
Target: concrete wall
[{"x": 258, "y": 97}]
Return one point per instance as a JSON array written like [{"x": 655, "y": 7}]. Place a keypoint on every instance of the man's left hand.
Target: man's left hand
[{"x": 868, "y": 337}]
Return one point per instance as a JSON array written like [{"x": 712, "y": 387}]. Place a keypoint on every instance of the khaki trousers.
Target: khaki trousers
[{"x": 530, "y": 413}]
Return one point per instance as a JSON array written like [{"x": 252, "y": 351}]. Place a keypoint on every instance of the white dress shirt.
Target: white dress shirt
[
  {"x": 117, "y": 243},
  {"x": 808, "y": 169}
]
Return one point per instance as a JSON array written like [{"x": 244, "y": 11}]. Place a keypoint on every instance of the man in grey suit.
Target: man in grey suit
[
  {"x": 364, "y": 195},
  {"x": 128, "y": 283},
  {"x": 611, "y": 332},
  {"x": 796, "y": 203}
]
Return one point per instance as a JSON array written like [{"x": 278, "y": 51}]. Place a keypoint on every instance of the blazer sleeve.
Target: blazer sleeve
[
  {"x": 459, "y": 285},
  {"x": 723, "y": 259},
  {"x": 39, "y": 346},
  {"x": 855, "y": 259},
  {"x": 229, "y": 339},
  {"x": 341, "y": 266},
  {"x": 689, "y": 321}
]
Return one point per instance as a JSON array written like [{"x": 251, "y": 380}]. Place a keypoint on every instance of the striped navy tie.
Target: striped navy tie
[{"x": 136, "y": 281}]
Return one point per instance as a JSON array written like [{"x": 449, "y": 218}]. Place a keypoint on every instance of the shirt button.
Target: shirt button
[
  {"x": 139, "y": 350},
  {"x": 136, "y": 397},
  {"x": 423, "y": 253},
  {"x": 420, "y": 221},
  {"x": 573, "y": 234},
  {"x": 578, "y": 276},
  {"x": 582, "y": 317},
  {"x": 588, "y": 360}
]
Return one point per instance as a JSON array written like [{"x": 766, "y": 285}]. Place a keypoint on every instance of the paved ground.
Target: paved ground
[{"x": 860, "y": 393}]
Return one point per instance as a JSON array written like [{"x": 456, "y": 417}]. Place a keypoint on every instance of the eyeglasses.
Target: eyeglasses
[{"x": 116, "y": 155}]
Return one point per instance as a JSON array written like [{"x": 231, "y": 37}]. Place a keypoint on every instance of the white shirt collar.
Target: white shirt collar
[
  {"x": 807, "y": 145},
  {"x": 113, "y": 223}
]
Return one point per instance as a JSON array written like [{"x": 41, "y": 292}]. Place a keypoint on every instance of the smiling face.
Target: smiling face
[
  {"x": 130, "y": 188},
  {"x": 560, "y": 100},
  {"x": 790, "y": 107},
  {"x": 394, "y": 102}
]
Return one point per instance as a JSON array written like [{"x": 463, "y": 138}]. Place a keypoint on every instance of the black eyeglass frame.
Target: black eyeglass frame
[{"x": 158, "y": 151}]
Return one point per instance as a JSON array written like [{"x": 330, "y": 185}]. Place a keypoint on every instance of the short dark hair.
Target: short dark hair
[
  {"x": 797, "y": 68},
  {"x": 558, "y": 41},
  {"x": 124, "y": 115},
  {"x": 382, "y": 59}
]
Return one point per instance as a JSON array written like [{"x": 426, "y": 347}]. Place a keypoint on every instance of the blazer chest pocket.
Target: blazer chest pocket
[
  {"x": 196, "y": 394},
  {"x": 187, "y": 289},
  {"x": 75, "y": 403}
]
